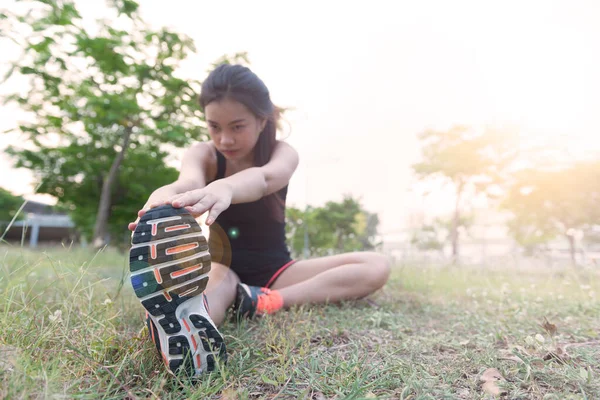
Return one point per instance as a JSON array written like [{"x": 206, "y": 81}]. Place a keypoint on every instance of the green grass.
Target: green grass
[{"x": 71, "y": 327}]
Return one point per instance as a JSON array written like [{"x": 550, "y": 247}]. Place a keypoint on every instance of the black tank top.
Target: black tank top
[{"x": 255, "y": 226}]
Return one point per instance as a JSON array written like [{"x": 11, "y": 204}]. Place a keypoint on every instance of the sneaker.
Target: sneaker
[
  {"x": 251, "y": 301},
  {"x": 169, "y": 263},
  {"x": 153, "y": 333}
]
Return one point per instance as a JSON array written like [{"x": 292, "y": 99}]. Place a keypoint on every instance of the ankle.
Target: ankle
[{"x": 269, "y": 301}]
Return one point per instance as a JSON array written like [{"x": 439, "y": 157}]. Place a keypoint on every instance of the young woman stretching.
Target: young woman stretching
[{"x": 240, "y": 178}]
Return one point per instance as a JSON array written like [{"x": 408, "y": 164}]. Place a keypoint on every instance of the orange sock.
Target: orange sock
[{"x": 269, "y": 301}]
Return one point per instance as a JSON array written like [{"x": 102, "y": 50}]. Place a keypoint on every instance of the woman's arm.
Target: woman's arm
[
  {"x": 243, "y": 187},
  {"x": 197, "y": 165},
  {"x": 257, "y": 182}
]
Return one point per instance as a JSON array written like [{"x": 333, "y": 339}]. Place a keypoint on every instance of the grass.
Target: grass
[{"x": 71, "y": 327}]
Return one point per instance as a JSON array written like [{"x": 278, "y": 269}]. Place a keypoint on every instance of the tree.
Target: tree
[
  {"x": 140, "y": 173},
  {"x": 428, "y": 237},
  {"x": 467, "y": 160},
  {"x": 546, "y": 203},
  {"x": 435, "y": 235},
  {"x": 365, "y": 227},
  {"x": 338, "y": 227},
  {"x": 100, "y": 100},
  {"x": 9, "y": 205}
]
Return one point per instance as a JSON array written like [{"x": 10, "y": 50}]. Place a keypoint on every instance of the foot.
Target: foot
[
  {"x": 251, "y": 301},
  {"x": 169, "y": 263}
]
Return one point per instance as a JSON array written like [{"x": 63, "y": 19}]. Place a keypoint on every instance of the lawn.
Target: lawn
[{"x": 71, "y": 327}]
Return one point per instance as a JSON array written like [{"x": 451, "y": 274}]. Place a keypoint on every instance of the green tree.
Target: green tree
[
  {"x": 428, "y": 237},
  {"x": 547, "y": 203},
  {"x": 435, "y": 235},
  {"x": 140, "y": 173},
  {"x": 337, "y": 226},
  {"x": 468, "y": 161},
  {"x": 9, "y": 205},
  {"x": 100, "y": 100},
  {"x": 365, "y": 227},
  {"x": 297, "y": 223}
]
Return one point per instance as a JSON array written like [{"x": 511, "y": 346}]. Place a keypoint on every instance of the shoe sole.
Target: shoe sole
[{"x": 169, "y": 263}]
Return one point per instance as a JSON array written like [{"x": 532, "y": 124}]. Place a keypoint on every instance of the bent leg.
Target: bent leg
[
  {"x": 220, "y": 291},
  {"x": 334, "y": 278}
]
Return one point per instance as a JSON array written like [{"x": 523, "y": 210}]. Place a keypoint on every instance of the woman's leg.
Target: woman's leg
[
  {"x": 220, "y": 291},
  {"x": 334, "y": 278}
]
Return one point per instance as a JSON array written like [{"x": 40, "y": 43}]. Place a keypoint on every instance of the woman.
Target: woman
[{"x": 240, "y": 178}]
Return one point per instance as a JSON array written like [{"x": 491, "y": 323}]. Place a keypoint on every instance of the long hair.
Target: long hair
[{"x": 239, "y": 83}]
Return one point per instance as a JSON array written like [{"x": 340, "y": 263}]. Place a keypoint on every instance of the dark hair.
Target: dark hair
[{"x": 239, "y": 83}]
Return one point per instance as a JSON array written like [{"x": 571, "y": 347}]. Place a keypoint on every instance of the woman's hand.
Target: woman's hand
[
  {"x": 214, "y": 198},
  {"x": 133, "y": 225}
]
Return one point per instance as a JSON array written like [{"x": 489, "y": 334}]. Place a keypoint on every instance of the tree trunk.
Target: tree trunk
[
  {"x": 571, "y": 239},
  {"x": 456, "y": 223},
  {"x": 100, "y": 228}
]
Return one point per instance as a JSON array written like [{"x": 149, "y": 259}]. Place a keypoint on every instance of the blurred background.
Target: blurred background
[{"x": 433, "y": 131}]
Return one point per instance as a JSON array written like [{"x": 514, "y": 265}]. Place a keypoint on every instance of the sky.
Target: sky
[{"x": 364, "y": 78}]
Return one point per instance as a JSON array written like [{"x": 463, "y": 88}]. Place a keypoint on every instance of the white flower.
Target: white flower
[
  {"x": 56, "y": 317},
  {"x": 540, "y": 338},
  {"x": 529, "y": 340}
]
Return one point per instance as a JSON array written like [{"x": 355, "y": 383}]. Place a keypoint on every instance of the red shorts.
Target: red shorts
[{"x": 265, "y": 277}]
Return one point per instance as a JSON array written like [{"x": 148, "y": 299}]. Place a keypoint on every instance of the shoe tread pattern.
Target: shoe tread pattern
[{"x": 169, "y": 264}]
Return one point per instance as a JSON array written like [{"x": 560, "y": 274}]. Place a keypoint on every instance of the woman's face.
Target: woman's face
[{"x": 233, "y": 128}]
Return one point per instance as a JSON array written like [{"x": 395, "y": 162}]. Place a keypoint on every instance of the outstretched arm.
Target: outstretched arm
[
  {"x": 243, "y": 187},
  {"x": 195, "y": 167}
]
